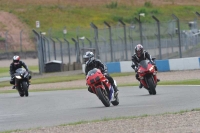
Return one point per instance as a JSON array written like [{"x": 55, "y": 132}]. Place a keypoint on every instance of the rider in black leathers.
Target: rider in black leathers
[
  {"x": 17, "y": 63},
  {"x": 91, "y": 63},
  {"x": 141, "y": 54}
]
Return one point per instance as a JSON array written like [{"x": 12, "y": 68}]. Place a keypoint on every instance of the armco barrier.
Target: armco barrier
[
  {"x": 163, "y": 65},
  {"x": 114, "y": 67},
  {"x": 199, "y": 62},
  {"x": 125, "y": 66}
]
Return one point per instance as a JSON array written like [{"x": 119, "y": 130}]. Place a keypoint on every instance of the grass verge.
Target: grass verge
[
  {"x": 184, "y": 82},
  {"x": 4, "y": 71}
]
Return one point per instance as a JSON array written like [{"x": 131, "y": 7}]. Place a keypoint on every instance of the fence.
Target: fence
[
  {"x": 112, "y": 43},
  {"x": 16, "y": 43}
]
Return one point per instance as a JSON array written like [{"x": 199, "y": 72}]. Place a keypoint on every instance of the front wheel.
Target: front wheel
[
  {"x": 20, "y": 91},
  {"x": 150, "y": 92},
  {"x": 21, "y": 95},
  {"x": 152, "y": 86},
  {"x": 103, "y": 96},
  {"x": 25, "y": 88}
]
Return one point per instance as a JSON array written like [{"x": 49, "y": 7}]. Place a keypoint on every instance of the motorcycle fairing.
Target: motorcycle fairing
[
  {"x": 146, "y": 69},
  {"x": 96, "y": 79}
]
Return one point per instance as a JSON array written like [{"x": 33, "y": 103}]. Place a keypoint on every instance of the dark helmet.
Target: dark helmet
[
  {"x": 139, "y": 50},
  {"x": 16, "y": 59},
  {"x": 88, "y": 57}
]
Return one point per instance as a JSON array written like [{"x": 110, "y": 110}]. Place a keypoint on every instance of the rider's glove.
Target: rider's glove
[
  {"x": 136, "y": 69},
  {"x": 133, "y": 66},
  {"x": 104, "y": 74},
  {"x": 152, "y": 63}
]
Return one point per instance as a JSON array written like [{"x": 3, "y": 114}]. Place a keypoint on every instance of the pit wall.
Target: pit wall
[{"x": 163, "y": 65}]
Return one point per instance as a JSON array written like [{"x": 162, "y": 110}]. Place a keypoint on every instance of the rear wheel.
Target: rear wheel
[
  {"x": 25, "y": 88},
  {"x": 103, "y": 96},
  {"x": 152, "y": 86}
]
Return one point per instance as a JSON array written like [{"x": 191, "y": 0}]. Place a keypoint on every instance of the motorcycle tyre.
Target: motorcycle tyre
[
  {"x": 150, "y": 93},
  {"x": 25, "y": 88},
  {"x": 152, "y": 87},
  {"x": 21, "y": 93},
  {"x": 102, "y": 94}
]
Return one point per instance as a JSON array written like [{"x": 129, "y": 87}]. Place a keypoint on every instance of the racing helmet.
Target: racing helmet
[
  {"x": 139, "y": 50},
  {"x": 16, "y": 59},
  {"x": 88, "y": 57}
]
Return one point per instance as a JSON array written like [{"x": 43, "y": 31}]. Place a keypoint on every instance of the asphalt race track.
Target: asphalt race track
[{"x": 61, "y": 107}]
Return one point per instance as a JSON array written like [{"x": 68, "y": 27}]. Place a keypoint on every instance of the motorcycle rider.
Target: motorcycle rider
[
  {"x": 91, "y": 63},
  {"x": 17, "y": 63},
  {"x": 139, "y": 55}
]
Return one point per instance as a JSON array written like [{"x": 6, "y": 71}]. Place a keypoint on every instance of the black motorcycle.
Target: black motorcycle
[{"x": 22, "y": 81}]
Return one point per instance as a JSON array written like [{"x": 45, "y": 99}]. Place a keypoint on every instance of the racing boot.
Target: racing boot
[
  {"x": 158, "y": 80},
  {"x": 140, "y": 86},
  {"x": 115, "y": 90},
  {"x": 13, "y": 87},
  {"x": 29, "y": 82}
]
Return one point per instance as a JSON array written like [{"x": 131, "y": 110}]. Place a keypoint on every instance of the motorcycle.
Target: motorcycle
[
  {"x": 147, "y": 75},
  {"x": 101, "y": 87},
  {"x": 22, "y": 81}
]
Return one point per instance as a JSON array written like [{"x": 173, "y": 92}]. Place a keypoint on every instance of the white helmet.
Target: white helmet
[
  {"x": 139, "y": 50},
  {"x": 16, "y": 59},
  {"x": 88, "y": 57}
]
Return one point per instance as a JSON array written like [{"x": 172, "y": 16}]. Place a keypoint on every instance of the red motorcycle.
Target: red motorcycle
[
  {"x": 101, "y": 87},
  {"x": 147, "y": 75}
]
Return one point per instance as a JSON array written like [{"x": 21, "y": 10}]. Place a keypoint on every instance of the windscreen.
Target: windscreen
[
  {"x": 144, "y": 63},
  {"x": 20, "y": 70},
  {"x": 91, "y": 72}
]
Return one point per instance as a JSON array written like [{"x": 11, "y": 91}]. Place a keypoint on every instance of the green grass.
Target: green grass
[
  {"x": 182, "y": 82},
  {"x": 122, "y": 74},
  {"x": 55, "y": 16},
  {"x": 42, "y": 89},
  {"x": 4, "y": 71},
  {"x": 33, "y": 68},
  {"x": 56, "y": 79}
]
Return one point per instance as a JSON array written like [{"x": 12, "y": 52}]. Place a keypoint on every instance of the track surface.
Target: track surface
[{"x": 62, "y": 107}]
